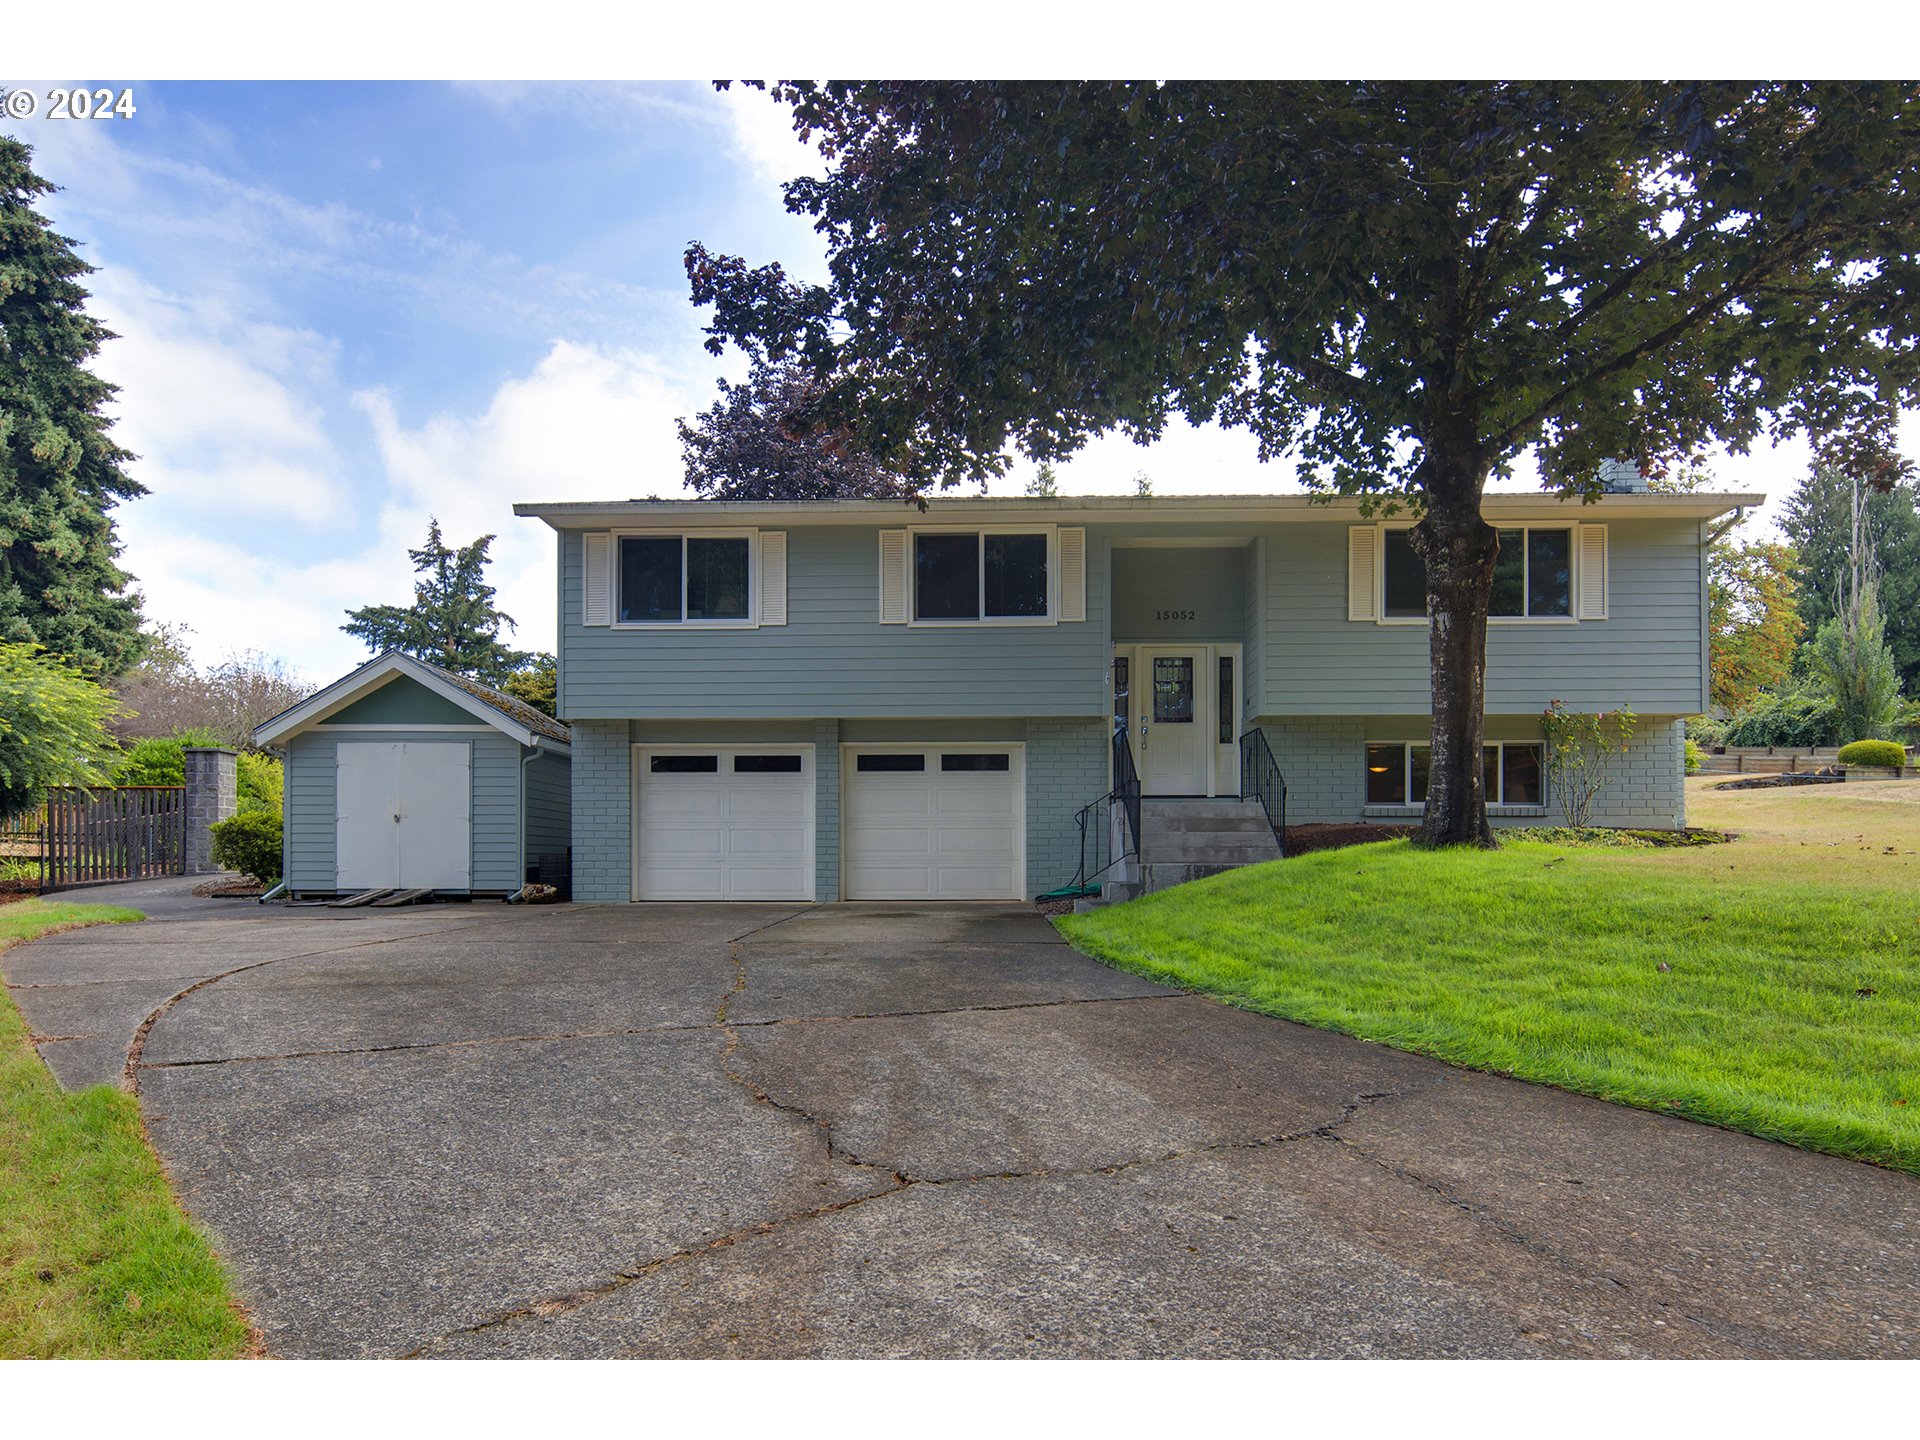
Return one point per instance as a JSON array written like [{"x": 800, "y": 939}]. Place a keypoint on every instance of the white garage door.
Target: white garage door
[
  {"x": 724, "y": 822},
  {"x": 402, "y": 815},
  {"x": 934, "y": 823}
]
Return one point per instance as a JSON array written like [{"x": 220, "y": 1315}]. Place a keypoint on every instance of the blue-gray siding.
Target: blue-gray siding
[
  {"x": 1284, "y": 596},
  {"x": 1315, "y": 661},
  {"x": 1179, "y": 593},
  {"x": 832, "y": 657}
]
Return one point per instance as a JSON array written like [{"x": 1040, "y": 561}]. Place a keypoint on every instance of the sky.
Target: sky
[{"x": 342, "y": 308}]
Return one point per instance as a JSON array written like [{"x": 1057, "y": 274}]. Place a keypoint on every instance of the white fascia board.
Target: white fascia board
[{"x": 1113, "y": 510}]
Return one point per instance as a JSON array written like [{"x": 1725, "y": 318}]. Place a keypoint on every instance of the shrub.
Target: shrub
[
  {"x": 1707, "y": 730},
  {"x": 261, "y": 781},
  {"x": 1873, "y": 752},
  {"x": 249, "y": 843},
  {"x": 161, "y": 761},
  {"x": 1581, "y": 746},
  {"x": 1801, "y": 717},
  {"x": 53, "y": 726},
  {"x": 1693, "y": 758}
]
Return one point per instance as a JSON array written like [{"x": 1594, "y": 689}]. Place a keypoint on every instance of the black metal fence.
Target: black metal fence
[{"x": 129, "y": 832}]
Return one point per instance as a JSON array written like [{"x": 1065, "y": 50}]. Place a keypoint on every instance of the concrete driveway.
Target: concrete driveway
[{"x": 890, "y": 1130}]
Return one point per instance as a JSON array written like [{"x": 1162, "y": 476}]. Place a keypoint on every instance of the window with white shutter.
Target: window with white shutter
[
  {"x": 596, "y": 576},
  {"x": 893, "y": 577},
  {"x": 1073, "y": 574},
  {"x": 773, "y": 577},
  {"x": 1593, "y": 572},
  {"x": 1363, "y": 572}
]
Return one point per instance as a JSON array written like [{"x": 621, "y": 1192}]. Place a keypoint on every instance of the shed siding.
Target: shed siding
[
  {"x": 549, "y": 807},
  {"x": 311, "y": 831},
  {"x": 1314, "y": 661}
]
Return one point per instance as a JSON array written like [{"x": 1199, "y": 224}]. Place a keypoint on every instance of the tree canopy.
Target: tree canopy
[
  {"x": 453, "y": 621},
  {"x": 60, "y": 471},
  {"x": 755, "y": 443},
  {"x": 53, "y": 727},
  {"x": 1403, "y": 286},
  {"x": 1754, "y": 620}
]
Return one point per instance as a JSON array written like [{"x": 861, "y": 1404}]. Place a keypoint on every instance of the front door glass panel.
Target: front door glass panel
[{"x": 1173, "y": 690}]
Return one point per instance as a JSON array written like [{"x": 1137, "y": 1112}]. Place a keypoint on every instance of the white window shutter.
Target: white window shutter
[
  {"x": 596, "y": 599},
  {"x": 1073, "y": 574},
  {"x": 893, "y": 577},
  {"x": 1593, "y": 572},
  {"x": 1363, "y": 572},
  {"x": 773, "y": 577}
]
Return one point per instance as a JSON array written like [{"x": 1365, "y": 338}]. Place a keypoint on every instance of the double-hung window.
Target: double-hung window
[
  {"x": 1532, "y": 578},
  {"x": 1397, "y": 773},
  {"x": 981, "y": 575},
  {"x": 685, "y": 580}
]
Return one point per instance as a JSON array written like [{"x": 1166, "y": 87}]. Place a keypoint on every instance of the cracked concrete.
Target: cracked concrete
[{"x": 912, "y": 1131}]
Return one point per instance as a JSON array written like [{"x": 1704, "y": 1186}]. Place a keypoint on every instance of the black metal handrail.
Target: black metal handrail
[
  {"x": 1260, "y": 779},
  {"x": 1126, "y": 787},
  {"x": 1098, "y": 853}
]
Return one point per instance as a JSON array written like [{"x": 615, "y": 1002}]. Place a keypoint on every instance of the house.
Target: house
[
  {"x": 406, "y": 776},
  {"x": 856, "y": 700}
]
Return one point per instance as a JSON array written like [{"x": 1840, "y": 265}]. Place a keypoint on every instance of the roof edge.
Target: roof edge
[
  {"x": 349, "y": 687},
  {"x": 1123, "y": 509}
]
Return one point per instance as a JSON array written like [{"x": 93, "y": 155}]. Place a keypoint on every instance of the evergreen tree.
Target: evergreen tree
[
  {"x": 452, "y": 622},
  {"x": 1818, "y": 519},
  {"x": 1854, "y": 667},
  {"x": 60, "y": 473}
]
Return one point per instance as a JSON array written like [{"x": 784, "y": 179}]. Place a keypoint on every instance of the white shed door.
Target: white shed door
[
  {"x": 402, "y": 815},
  {"x": 934, "y": 823},
  {"x": 723, "y": 822}
]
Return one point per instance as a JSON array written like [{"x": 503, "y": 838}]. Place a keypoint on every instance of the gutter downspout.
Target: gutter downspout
[
  {"x": 520, "y": 840},
  {"x": 1739, "y": 514}
]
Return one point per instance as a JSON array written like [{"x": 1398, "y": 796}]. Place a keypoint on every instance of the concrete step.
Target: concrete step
[
  {"x": 1163, "y": 876},
  {"x": 1187, "y": 850}
]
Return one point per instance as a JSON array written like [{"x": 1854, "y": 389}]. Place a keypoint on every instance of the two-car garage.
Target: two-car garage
[{"x": 917, "y": 822}]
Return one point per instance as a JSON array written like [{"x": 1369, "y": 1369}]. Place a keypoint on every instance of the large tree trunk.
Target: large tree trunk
[{"x": 1459, "y": 549}]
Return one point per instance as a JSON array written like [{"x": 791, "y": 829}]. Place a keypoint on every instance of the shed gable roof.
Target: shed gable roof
[{"x": 493, "y": 707}]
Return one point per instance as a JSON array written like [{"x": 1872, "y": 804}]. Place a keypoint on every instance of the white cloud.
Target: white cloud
[
  {"x": 217, "y": 406},
  {"x": 764, "y": 137},
  {"x": 1188, "y": 460},
  {"x": 585, "y": 424}
]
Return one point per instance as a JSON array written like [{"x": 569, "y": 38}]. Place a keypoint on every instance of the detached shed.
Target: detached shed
[{"x": 403, "y": 775}]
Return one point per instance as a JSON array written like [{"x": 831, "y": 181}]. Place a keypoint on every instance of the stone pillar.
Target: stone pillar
[{"x": 213, "y": 794}]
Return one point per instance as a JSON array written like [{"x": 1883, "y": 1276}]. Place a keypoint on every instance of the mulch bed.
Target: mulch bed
[
  {"x": 11, "y": 890},
  {"x": 1304, "y": 839},
  {"x": 239, "y": 888},
  {"x": 1771, "y": 782}
]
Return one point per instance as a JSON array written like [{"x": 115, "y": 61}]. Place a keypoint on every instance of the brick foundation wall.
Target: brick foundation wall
[
  {"x": 602, "y": 812},
  {"x": 1066, "y": 769},
  {"x": 1322, "y": 759}
]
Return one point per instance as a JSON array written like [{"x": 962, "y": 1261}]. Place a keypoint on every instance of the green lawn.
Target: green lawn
[
  {"x": 1791, "y": 1008},
  {"x": 96, "y": 1258}
]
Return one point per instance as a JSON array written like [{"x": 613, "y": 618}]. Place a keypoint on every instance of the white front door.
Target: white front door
[
  {"x": 1172, "y": 721},
  {"x": 402, "y": 815},
  {"x": 723, "y": 822}
]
